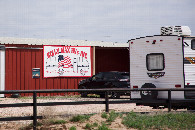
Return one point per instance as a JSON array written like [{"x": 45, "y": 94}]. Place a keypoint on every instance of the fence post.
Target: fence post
[
  {"x": 107, "y": 101},
  {"x": 169, "y": 100},
  {"x": 34, "y": 110}
]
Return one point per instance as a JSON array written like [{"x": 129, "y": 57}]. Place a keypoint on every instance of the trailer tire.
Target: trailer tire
[{"x": 148, "y": 95}]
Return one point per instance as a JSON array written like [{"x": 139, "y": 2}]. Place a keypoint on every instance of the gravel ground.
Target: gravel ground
[
  {"x": 66, "y": 111},
  {"x": 69, "y": 109}
]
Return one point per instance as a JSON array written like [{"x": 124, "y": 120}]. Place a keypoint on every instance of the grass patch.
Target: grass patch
[
  {"x": 30, "y": 126},
  {"x": 80, "y": 118},
  {"x": 112, "y": 116},
  {"x": 103, "y": 127},
  {"x": 90, "y": 126},
  {"x": 73, "y": 128},
  {"x": 57, "y": 122},
  {"x": 26, "y": 97},
  {"x": 104, "y": 115},
  {"x": 95, "y": 124},
  {"x": 120, "y": 115},
  {"x": 160, "y": 121}
]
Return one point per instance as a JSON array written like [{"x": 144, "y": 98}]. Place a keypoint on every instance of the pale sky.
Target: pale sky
[{"x": 92, "y": 20}]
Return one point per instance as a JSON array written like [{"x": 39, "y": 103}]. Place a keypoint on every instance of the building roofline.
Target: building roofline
[{"x": 66, "y": 42}]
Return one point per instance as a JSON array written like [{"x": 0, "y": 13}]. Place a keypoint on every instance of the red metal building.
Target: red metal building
[{"x": 19, "y": 56}]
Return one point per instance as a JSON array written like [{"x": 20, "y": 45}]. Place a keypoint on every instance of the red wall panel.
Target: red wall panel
[
  {"x": 111, "y": 59},
  {"x": 19, "y": 64},
  {"x": 18, "y": 70},
  {"x": 22, "y": 70}
]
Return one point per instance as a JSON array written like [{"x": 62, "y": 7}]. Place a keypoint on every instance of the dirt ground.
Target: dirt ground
[{"x": 65, "y": 112}]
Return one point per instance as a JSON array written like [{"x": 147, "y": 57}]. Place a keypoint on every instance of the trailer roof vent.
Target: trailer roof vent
[{"x": 176, "y": 30}]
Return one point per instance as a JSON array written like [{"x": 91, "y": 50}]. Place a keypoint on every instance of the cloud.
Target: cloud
[{"x": 92, "y": 20}]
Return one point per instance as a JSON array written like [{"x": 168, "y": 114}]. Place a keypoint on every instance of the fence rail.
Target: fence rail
[{"x": 169, "y": 101}]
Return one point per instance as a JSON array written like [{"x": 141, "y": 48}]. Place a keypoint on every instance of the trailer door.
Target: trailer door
[{"x": 2, "y": 69}]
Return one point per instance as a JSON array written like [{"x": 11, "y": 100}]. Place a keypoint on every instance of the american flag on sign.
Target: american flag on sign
[{"x": 64, "y": 62}]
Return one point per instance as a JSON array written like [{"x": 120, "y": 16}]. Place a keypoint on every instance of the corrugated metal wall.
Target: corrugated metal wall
[
  {"x": 111, "y": 59},
  {"x": 18, "y": 71},
  {"x": 19, "y": 64}
]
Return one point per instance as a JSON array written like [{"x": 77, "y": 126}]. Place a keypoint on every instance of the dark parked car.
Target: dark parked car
[{"x": 106, "y": 80}]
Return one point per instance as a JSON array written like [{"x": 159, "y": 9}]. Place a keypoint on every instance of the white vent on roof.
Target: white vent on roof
[{"x": 176, "y": 30}]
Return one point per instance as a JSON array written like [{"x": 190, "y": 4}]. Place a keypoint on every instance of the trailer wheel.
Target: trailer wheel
[{"x": 148, "y": 95}]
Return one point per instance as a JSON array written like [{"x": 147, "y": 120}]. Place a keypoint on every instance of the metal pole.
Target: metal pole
[
  {"x": 107, "y": 101},
  {"x": 94, "y": 60},
  {"x": 34, "y": 110},
  {"x": 169, "y": 100}
]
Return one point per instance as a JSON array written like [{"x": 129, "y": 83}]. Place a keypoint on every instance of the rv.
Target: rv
[{"x": 163, "y": 61}]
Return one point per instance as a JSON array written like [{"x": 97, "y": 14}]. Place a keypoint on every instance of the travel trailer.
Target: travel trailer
[{"x": 163, "y": 61}]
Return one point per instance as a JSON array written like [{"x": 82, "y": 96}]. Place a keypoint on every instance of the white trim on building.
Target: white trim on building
[
  {"x": 66, "y": 42},
  {"x": 2, "y": 69}
]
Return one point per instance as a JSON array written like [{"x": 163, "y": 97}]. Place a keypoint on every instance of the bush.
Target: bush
[{"x": 89, "y": 126}]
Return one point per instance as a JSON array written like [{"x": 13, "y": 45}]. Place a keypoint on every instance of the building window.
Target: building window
[
  {"x": 155, "y": 61},
  {"x": 193, "y": 44}
]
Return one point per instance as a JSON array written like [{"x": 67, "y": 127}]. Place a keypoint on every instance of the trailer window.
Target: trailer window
[
  {"x": 193, "y": 44},
  {"x": 155, "y": 61}
]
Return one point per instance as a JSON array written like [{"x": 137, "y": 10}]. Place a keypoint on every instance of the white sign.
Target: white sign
[{"x": 67, "y": 61}]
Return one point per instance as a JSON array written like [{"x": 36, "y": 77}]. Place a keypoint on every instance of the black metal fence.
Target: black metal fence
[{"x": 166, "y": 102}]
